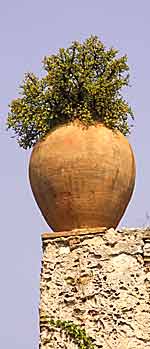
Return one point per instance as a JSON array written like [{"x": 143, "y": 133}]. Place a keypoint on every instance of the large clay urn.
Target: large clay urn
[{"x": 82, "y": 177}]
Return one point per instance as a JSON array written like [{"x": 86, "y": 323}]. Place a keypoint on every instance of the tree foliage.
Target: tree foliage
[{"x": 81, "y": 82}]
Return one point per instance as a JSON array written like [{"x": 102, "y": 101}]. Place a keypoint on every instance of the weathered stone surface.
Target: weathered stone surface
[{"x": 100, "y": 282}]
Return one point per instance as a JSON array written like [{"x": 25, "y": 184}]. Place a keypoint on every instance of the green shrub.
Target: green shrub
[
  {"x": 77, "y": 334},
  {"x": 81, "y": 82}
]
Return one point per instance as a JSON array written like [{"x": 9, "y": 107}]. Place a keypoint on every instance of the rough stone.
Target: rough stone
[{"x": 100, "y": 282}]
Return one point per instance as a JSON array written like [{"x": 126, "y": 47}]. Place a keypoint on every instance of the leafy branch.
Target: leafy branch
[{"x": 81, "y": 82}]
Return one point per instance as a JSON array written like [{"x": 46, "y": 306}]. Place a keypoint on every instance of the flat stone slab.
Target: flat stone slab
[{"x": 74, "y": 232}]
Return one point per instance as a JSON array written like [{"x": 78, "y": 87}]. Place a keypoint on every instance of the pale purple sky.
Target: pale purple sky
[{"x": 29, "y": 30}]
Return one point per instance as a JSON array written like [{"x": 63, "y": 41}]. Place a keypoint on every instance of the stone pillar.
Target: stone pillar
[{"x": 95, "y": 289}]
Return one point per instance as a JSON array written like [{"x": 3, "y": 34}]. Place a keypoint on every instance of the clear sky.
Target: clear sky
[{"x": 29, "y": 30}]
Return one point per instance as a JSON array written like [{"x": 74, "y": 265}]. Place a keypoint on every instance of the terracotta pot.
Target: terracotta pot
[{"x": 82, "y": 177}]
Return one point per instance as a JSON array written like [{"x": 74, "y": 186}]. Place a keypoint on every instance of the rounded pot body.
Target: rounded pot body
[{"x": 82, "y": 177}]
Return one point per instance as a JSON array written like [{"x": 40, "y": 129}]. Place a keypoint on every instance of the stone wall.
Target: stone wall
[{"x": 100, "y": 281}]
